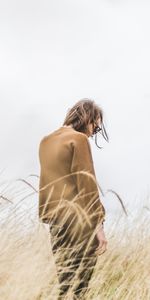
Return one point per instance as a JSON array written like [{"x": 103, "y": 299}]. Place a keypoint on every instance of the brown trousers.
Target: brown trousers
[{"x": 75, "y": 260}]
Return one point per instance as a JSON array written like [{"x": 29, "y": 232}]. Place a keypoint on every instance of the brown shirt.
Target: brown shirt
[{"x": 67, "y": 179}]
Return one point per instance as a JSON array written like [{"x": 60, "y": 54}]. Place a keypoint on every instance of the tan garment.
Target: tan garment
[{"x": 62, "y": 153}]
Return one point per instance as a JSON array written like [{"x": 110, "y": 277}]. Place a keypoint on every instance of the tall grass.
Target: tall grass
[{"x": 27, "y": 267}]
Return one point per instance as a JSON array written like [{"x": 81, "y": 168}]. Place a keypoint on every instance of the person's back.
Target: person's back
[
  {"x": 62, "y": 153},
  {"x": 69, "y": 197},
  {"x": 55, "y": 153}
]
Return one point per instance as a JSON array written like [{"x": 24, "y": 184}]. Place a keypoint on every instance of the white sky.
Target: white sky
[{"x": 52, "y": 54}]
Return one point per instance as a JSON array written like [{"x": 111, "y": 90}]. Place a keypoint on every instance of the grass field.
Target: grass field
[{"x": 27, "y": 269}]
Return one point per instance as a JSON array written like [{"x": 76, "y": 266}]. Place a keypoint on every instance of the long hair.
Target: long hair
[{"x": 84, "y": 112}]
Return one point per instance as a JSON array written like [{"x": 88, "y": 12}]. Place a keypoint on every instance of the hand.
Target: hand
[{"x": 102, "y": 242}]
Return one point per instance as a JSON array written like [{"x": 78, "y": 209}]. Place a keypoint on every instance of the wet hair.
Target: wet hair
[{"x": 84, "y": 112}]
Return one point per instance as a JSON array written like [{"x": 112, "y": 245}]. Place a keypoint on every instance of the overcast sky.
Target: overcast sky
[{"x": 52, "y": 54}]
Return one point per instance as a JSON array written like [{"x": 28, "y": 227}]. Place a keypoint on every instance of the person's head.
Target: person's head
[{"x": 87, "y": 117}]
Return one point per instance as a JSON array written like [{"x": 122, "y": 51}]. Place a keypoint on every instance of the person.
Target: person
[{"x": 69, "y": 199}]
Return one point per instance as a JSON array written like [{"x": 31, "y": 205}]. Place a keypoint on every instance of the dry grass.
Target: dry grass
[{"x": 27, "y": 265}]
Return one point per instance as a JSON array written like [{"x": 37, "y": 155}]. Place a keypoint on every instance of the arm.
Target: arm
[{"x": 86, "y": 182}]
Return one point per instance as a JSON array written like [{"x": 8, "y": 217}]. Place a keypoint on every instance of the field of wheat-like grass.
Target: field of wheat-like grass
[{"x": 27, "y": 268}]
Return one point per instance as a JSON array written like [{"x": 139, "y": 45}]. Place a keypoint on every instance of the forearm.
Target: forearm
[
  {"x": 99, "y": 213},
  {"x": 100, "y": 230},
  {"x": 100, "y": 225}
]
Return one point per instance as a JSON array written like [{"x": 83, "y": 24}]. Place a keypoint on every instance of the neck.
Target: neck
[{"x": 67, "y": 126}]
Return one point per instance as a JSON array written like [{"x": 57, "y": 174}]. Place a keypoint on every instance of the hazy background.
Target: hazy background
[{"x": 52, "y": 54}]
